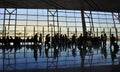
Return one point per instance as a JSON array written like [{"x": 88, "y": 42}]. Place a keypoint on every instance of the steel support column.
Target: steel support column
[
  {"x": 15, "y": 21},
  {"x": 8, "y": 20},
  {"x": 53, "y": 14},
  {"x": 115, "y": 26},
  {"x": 82, "y": 16},
  {"x": 3, "y": 31},
  {"x": 83, "y": 22}
]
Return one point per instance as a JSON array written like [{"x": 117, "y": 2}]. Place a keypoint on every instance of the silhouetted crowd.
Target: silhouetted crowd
[{"x": 61, "y": 42}]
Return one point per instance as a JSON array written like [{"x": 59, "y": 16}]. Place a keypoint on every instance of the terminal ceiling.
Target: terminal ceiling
[{"x": 93, "y": 5}]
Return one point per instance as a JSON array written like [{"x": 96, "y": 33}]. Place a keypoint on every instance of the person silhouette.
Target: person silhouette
[
  {"x": 40, "y": 39},
  {"x": 47, "y": 41},
  {"x": 80, "y": 41},
  {"x": 112, "y": 39},
  {"x": 73, "y": 41},
  {"x": 35, "y": 38}
]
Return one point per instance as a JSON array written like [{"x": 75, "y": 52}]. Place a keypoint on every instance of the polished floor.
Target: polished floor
[{"x": 30, "y": 57}]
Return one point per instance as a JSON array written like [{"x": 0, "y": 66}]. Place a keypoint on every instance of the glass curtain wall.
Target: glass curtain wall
[{"x": 31, "y": 21}]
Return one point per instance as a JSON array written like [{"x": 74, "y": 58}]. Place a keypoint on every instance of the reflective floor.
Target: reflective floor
[{"x": 28, "y": 56}]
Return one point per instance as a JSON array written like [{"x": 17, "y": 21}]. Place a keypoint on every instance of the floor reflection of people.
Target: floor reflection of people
[
  {"x": 114, "y": 48},
  {"x": 104, "y": 51},
  {"x": 16, "y": 48},
  {"x": 40, "y": 49},
  {"x": 3, "y": 49},
  {"x": 46, "y": 52},
  {"x": 114, "y": 51},
  {"x": 35, "y": 52},
  {"x": 56, "y": 53},
  {"x": 74, "y": 52},
  {"x": 82, "y": 55}
]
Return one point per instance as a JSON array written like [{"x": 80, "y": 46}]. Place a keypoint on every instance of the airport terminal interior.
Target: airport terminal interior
[{"x": 59, "y": 36}]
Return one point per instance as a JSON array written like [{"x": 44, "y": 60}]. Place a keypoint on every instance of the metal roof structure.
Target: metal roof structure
[{"x": 93, "y": 5}]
